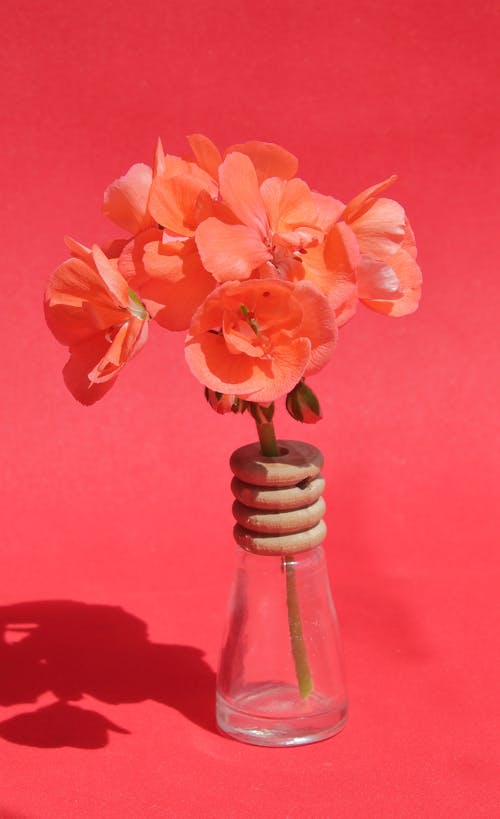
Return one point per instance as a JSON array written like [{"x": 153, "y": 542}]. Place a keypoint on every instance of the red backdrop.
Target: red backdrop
[{"x": 124, "y": 508}]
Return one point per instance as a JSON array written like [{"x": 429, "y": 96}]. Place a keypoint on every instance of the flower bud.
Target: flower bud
[
  {"x": 303, "y": 405},
  {"x": 222, "y": 403}
]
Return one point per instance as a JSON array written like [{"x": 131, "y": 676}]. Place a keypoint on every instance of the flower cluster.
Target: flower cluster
[{"x": 235, "y": 249}]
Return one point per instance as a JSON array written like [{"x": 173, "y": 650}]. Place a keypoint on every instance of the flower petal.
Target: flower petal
[
  {"x": 409, "y": 276},
  {"x": 329, "y": 210},
  {"x": 78, "y": 250},
  {"x": 332, "y": 269},
  {"x": 111, "y": 276},
  {"x": 159, "y": 159},
  {"x": 126, "y": 199},
  {"x": 381, "y": 228},
  {"x": 206, "y": 153},
  {"x": 173, "y": 296},
  {"x": 211, "y": 363},
  {"x": 111, "y": 249},
  {"x": 173, "y": 202},
  {"x": 82, "y": 360},
  {"x": 344, "y": 300},
  {"x": 176, "y": 166},
  {"x": 131, "y": 260},
  {"x": 341, "y": 253},
  {"x": 170, "y": 278},
  {"x": 128, "y": 340},
  {"x": 363, "y": 200},
  {"x": 288, "y": 365},
  {"x": 289, "y": 204},
  {"x": 107, "y": 367},
  {"x": 239, "y": 189},
  {"x": 272, "y": 193},
  {"x": 230, "y": 251},
  {"x": 377, "y": 280},
  {"x": 317, "y": 324},
  {"x": 408, "y": 242},
  {"x": 88, "y": 374},
  {"x": 240, "y": 337},
  {"x": 298, "y": 208},
  {"x": 78, "y": 304},
  {"x": 268, "y": 159},
  {"x": 272, "y": 331},
  {"x": 253, "y": 379}
]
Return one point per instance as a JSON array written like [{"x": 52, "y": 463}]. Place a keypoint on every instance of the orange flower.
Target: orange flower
[
  {"x": 169, "y": 276},
  {"x": 267, "y": 158},
  {"x": 233, "y": 246},
  {"x": 163, "y": 262},
  {"x": 126, "y": 199},
  {"x": 331, "y": 267},
  {"x": 272, "y": 224},
  {"x": 256, "y": 339},
  {"x": 388, "y": 277},
  {"x": 277, "y": 229},
  {"x": 180, "y": 195},
  {"x": 90, "y": 308}
]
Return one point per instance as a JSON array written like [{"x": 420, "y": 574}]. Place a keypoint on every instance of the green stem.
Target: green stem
[
  {"x": 267, "y": 438},
  {"x": 269, "y": 447},
  {"x": 299, "y": 652}
]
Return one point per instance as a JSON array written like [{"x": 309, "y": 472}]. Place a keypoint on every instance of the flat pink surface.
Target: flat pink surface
[{"x": 115, "y": 519}]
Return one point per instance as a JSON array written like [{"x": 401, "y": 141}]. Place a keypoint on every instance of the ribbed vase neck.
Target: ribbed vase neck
[{"x": 279, "y": 506}]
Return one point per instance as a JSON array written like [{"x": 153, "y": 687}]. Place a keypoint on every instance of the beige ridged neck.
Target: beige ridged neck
[{"x": 279, "y": 506}]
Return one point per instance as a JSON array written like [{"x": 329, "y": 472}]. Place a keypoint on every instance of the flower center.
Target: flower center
[
  {"x": 136, "y": 307},
  {"x": 249, "y": 317}
]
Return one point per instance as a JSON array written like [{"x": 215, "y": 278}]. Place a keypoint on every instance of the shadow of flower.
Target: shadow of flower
[
  {"x": 58, "y": 725},
  {"x": 72, "y": 649}
]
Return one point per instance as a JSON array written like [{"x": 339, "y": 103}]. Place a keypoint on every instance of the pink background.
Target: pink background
[{"x": 126, "y": 504}]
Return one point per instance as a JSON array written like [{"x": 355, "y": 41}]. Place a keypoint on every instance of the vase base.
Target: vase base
[{"x": 276, "y": 716}]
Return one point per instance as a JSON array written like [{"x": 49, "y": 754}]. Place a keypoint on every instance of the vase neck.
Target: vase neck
[{"x": 279, "y": 506}]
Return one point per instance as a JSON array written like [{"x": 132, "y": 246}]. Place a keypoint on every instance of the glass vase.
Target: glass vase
[{"x": 280, "y": 679}]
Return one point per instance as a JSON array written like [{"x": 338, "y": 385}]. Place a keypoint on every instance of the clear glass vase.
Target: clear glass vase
[{"x": 280, "y": 679}]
